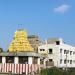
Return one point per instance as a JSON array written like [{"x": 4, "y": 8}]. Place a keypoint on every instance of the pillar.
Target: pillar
[
  {"x": 38, "y": 61},
  {"x": 30, "y": 60},
  {"x": 44, "y": 62},
  {"x": 16, "y": 60},
  {"x": 3, "y": 59}
]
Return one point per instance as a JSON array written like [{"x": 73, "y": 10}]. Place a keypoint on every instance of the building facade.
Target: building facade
[{"x": 58, "y": 53}]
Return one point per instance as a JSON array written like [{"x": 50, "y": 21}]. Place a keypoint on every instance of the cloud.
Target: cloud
[{"x": 62, "y": 9}]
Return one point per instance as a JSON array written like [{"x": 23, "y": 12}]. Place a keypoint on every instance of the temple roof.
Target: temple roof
[
  {"x": 20, "y": 42},
  {"x": 32, "y": 54}
]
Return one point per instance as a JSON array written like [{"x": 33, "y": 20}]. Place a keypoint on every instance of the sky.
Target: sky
[{"x": 45, "y": 18}]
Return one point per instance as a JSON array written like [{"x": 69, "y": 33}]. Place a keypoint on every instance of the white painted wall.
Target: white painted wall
[
  {"x": 30, "y": 60},
  {"x": 56, "y": 56},
  {"x": 38, "y": 61},
  {"x": 3, "y": 60}
]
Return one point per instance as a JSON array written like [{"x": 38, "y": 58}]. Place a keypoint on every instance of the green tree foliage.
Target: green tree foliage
[
  {"x": 1, "y": 50},
  {"x": 56, "y": 71}
]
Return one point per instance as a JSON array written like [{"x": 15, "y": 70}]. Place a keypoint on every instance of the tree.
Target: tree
[{"x": 1, "y": 50}]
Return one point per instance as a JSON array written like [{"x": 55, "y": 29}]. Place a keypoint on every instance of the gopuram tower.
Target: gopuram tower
[{"x": 20, "y": 42}]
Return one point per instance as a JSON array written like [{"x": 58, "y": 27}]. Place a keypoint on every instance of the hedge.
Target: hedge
[{"x": 56, "y": 71}]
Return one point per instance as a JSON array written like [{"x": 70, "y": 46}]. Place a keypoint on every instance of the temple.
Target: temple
[
  {"x": 20, "y": 50},
  {"x": 20, "y": 42}
]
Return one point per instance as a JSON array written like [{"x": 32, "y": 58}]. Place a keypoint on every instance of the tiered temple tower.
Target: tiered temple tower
[{"x": 20, "y": 42}]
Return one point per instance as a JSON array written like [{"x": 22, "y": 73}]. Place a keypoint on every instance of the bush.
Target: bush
[{"x": 56, "y": 71}]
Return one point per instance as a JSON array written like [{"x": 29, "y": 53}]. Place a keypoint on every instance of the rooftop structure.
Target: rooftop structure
[
  {"x": 34, "y": 41},
  {"x": 56, "y": 41}
]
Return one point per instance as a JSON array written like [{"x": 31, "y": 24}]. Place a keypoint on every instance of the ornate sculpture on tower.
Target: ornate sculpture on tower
[{"x": 20, "y": 42}]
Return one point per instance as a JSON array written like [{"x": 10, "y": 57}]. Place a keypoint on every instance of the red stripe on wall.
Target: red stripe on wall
[{"x": 18, "y": 68}]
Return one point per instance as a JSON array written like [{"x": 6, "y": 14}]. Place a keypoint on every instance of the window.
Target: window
[
  {"x": 50, "y": 51},
  {"x": 42, "y": 49},
  {"x": 57, "y": 42},
  {"x": 65, "y": 61},
  {"x": 60, "y": 61},
  {"x": 70, "y": 61},
  {"x": 60, "y": 50},
  {"x": 70, "y": 52},
  {"x": 65, "y": 51},
  {"x": 50, "y": 60}
]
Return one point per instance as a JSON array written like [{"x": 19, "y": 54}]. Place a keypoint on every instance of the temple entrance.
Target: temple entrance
[
  {"x": 9, "y": 59},
  {"x": 23, "y": 59}
]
